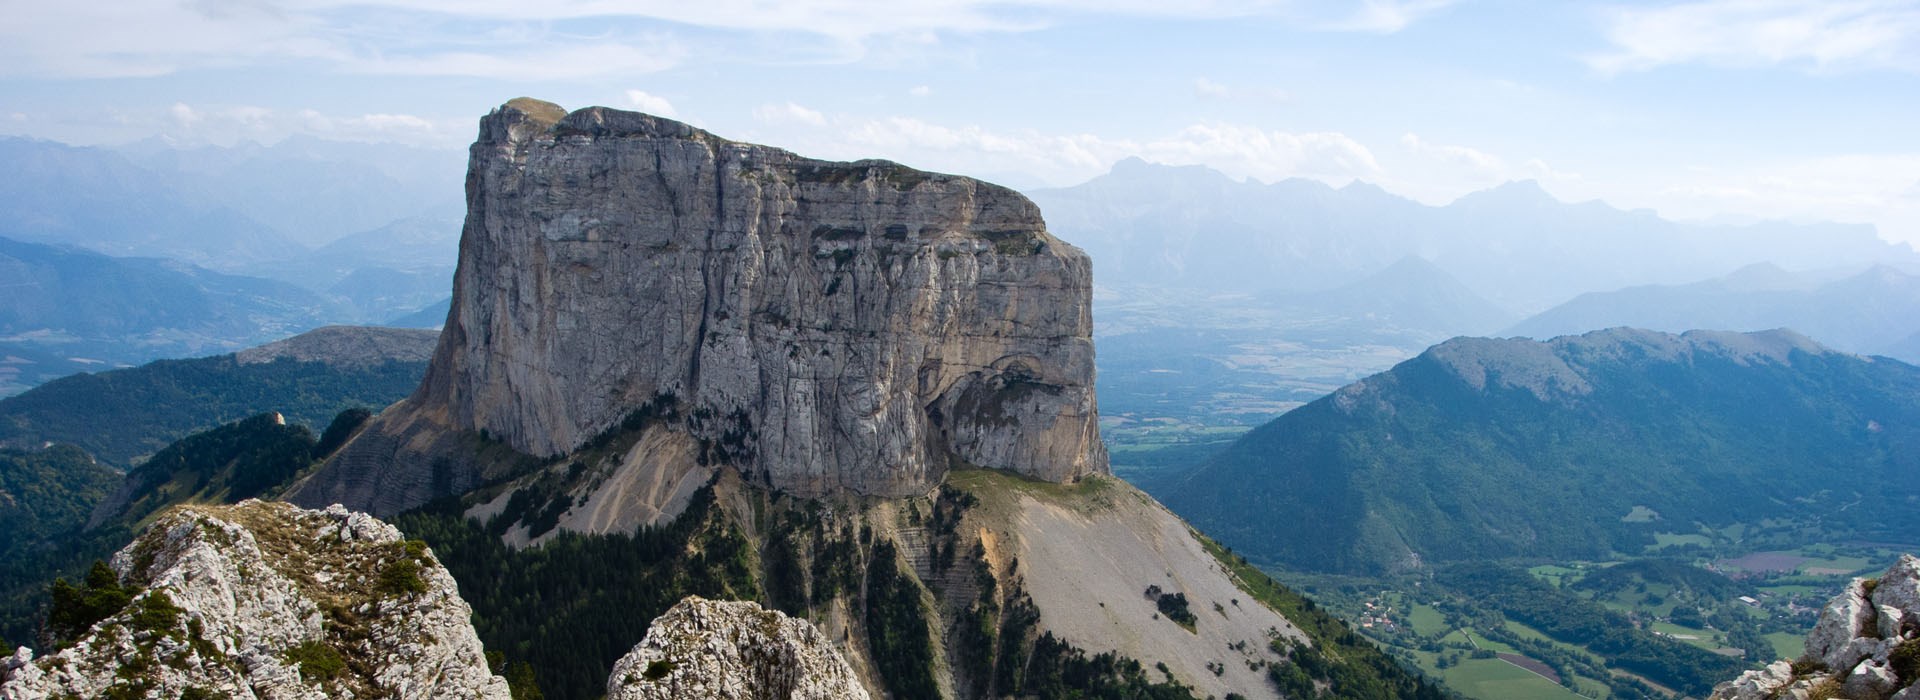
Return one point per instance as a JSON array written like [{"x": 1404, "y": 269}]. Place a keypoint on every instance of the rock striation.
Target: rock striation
[
  {"x": 1866, "y": 646},
  {"x": 265, "y": 600},
  {"x": 732, "y": 651},
  {"x": 822, "y": 326}
]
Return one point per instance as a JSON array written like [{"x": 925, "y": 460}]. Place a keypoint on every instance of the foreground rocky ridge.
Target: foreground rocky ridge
[
  {"x": 732, "y": 651},
  {"x": 821, "y": 326},
  {"x": 265, "y": 600},
  {"x": 1866, "y": 646}
]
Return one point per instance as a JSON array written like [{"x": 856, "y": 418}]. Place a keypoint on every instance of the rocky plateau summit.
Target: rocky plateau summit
[{"x": 822, "y": 326}]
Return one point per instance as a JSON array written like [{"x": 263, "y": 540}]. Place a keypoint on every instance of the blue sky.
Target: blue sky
[{"x": 1715, "y": 108}]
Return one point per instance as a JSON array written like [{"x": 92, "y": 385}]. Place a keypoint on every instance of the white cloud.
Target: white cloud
[
  {"x": 1825, "y": 34},
  {"x": 788, "y": 113},
  {"x": 1474, "y": 159},
  {"x": 516, "y": 40},
  {"x": 651, "y": 104},
  {"x": 1878, "y": 189},
  {"x": 227, "y": 124},
  {"x": 920, "y": 91},
  {"x": 1206, "y": 88},
  {"x": 543, "y": 63},
  {"x": 183, "y": 114},
  {"x": 400, "y": 123},
  {"x": 1386, "y": 16}
]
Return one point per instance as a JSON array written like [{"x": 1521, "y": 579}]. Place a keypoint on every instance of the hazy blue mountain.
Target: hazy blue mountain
[
  {"x": 1411, "y": 294},
  {"x": 77, "y": 303},
  {"x": 1907, "y": 348},
  {"x": 1515, "y": 244},
  {"x": 1481, "y": 449},
  {"x": 433, "y": 315},
  {"x": 312, "y": 190},
  {"x": 98, "y": 200},
  {"x": 419, "y": 243},
  {"x": 1871, "y": 312},
  {"x": 1191, "y": 226},
  {"x": 246, "y": 209}
]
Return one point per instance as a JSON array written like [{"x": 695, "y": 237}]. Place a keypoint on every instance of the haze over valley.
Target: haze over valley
[{"x": 1329, "y": 350}]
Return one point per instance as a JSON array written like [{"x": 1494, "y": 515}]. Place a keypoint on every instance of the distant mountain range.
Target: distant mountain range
[
  {"x": 1876, "y": 311},
  {"x": 1572, "y": 449},
  {"x": 116, "y": 256},
  {"x": 1516, "y": 245},
  {"x": 375, "y": 225},
  {"x": 121, "y": 416},
  {"x": 65, "y": 310},
  {"x": 99, "y": 200},
  {"x": 311, "y": 190}
]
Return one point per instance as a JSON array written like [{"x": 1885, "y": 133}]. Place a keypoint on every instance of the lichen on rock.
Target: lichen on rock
[
  {"x": 732, "y": 651},
  {"x": 265, "y": 600}
]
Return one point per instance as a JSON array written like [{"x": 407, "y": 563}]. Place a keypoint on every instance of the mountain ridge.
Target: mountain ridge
[
  {"x": 1871, "y": 311},
  {"x": 1514, "y": 244},
  {"x": 1490, "y": 448}
]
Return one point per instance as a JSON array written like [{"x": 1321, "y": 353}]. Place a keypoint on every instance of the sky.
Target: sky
[{"x": 1729, "y": 110}]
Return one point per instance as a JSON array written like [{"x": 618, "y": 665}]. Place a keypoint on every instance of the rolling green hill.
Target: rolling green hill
[
  {"x": 122, "y": 416},
  {"x": 1573, "y": 448}
]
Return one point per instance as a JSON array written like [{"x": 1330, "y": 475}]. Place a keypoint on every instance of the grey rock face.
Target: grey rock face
[
  {"x": 258, "y": 586},
  {"x": 1856, "y": 649},
  {"x": 732, "y": 651},
  {"x": 820, "y": 325}
]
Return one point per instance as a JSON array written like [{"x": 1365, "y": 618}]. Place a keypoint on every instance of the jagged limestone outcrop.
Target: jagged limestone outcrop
[
  {"x": 821, "y": 325},
  {"x": 265, "y": 600},
  {"x": 1866, "y": 646},
  {"x": 732, "y": 651}
]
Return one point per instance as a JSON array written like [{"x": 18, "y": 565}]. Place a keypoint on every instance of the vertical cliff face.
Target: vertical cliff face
[{"x": 819, "y": 325}]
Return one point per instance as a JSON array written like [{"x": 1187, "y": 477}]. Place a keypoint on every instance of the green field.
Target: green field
[
  {"x": 1426, "y": 621},
  {"x": 1556, "y": 575},
  {"x": 1663, "y": 540},
  {"x": 1493, "y": 679},
  {"x": 1834, "y": 566},
  {"x": 1788, "y": 645},
  {"x": 1705, "y": 639}
]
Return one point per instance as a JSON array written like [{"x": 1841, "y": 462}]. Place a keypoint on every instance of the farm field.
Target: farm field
[{"x": 1698, "y": 592}]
